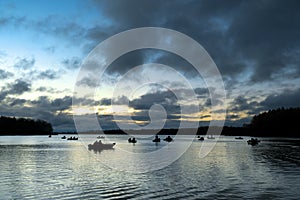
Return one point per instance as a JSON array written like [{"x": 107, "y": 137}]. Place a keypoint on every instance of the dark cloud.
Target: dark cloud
[
  {"x": 24, "y": 63},
  {"x": 48, "y": 74},
  {"x": 51, "y": 90},
  {"x": 88, "y": 82},
  {"x": 285, "y": 99},
  {"x": 234, "y": 116},
  {"x": 5, "y": 74},
  {"x": 18, "y": 87},
  {"x": 12, "y": 20},
  {"x": 105, "y": 102},
  {"x": 121, "y": 100},
  {"x": 250, "y": 41},
  {"x": 266, "y": 33},
  {"x": 165, "y": 98},
  {"x": 241, "y": 103},
  {"x": 258, "y": 37},
  {"x": 72, "y": 63},
  {"x": 3, "y": 94},
  {"x": 201, "y": 92},
  {"x": 58, "y": 104},
  {"x": 128, "y": 61},
  {"x": 42, "y": 89},
  {"x": 18, "y": 102}
]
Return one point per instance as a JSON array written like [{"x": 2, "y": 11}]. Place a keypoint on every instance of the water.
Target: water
[{"x": 38, "y": 167}]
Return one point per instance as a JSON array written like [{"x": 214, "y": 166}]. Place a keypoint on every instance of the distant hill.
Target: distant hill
[{"x": 23, "y": 126}]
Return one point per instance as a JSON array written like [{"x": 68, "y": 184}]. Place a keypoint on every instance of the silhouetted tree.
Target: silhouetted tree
[
  {"x": 278, "y": 122},
  {"x": 23, "y": 126}
]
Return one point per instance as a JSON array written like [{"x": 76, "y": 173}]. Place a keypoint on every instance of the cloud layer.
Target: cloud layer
[{"x": 255, "y": 45}]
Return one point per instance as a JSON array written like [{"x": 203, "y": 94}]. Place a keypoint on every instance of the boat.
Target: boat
[
  {"x": 72, "y": 138},
  {"x": 132, "y": 140},
  {"x": 253, "y": 141},
  {"x": 201, "y": 138},
  {"x": 168, "y": 139},
  {"x": 239, "y": 138},
  {"x": 99, "y": 146},
  {"x": 101, "y": 137},
  {"x": 63, "y": 137},
  {"x": 156, "y": 139},
  {"x": 50, "y": 136},
  {"x": 210, "y": 137}
]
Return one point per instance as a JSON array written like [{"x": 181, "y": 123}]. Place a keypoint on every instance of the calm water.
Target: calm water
[{"x": 39, "y": 167}]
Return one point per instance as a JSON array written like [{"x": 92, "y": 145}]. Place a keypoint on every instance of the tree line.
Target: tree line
[
  {"x": 24, "y": 126},
  {"x": 281, "y": 122}
]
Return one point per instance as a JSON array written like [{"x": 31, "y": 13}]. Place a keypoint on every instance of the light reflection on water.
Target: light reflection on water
[{"x": 50, "y": 168}]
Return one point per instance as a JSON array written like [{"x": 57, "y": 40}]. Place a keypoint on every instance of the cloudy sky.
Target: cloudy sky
[{"x": 255, "y": 45}]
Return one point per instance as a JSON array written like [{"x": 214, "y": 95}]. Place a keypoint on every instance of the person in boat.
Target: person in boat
[
  {"x": 157, "y": 139},
  {"x": 168, "y": 139},
  {"x": 201, "y": 138},
  {"x": 97, "y": 143}
]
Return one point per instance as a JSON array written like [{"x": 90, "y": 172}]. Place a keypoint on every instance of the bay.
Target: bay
[{"x": 38, "y": 167}]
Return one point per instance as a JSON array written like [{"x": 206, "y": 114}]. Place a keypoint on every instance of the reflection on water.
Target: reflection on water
[{"x": 50, "y": 168}]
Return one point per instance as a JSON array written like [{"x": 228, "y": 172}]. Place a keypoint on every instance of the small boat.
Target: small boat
[
  {"x": 156, "y": 139},
  {"x": 168, "y": 139},
  {"x": 201, "y": 138},
  {"x": 63, "y": 137},
  {"x": 132, "y": 140},
  {"x": 72, "y": 138},
  {"x": 253, "y": 141},
  {"x": 101, "y": 137},
  {"x": 99, "y": 146},
  {"x": 210, "y": 137},
  {"x": 239, "y": 138}
]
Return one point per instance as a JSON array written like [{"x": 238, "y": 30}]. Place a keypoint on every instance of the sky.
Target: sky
[{"x": 255, "y": 45}]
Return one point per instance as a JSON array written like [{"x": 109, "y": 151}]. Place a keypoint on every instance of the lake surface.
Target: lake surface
[{"x": 38, "y": 167}]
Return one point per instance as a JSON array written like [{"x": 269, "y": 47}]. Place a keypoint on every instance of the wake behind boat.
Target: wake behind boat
[{"x": 99, "y": 146}]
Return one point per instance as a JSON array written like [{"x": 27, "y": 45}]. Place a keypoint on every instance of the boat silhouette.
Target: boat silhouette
[
  {"x": 168, "y": 139},
  {"x": 99, "y": 146},
  {"x": 156, "y": 139},
  {"x": 132, "y": 140}
]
